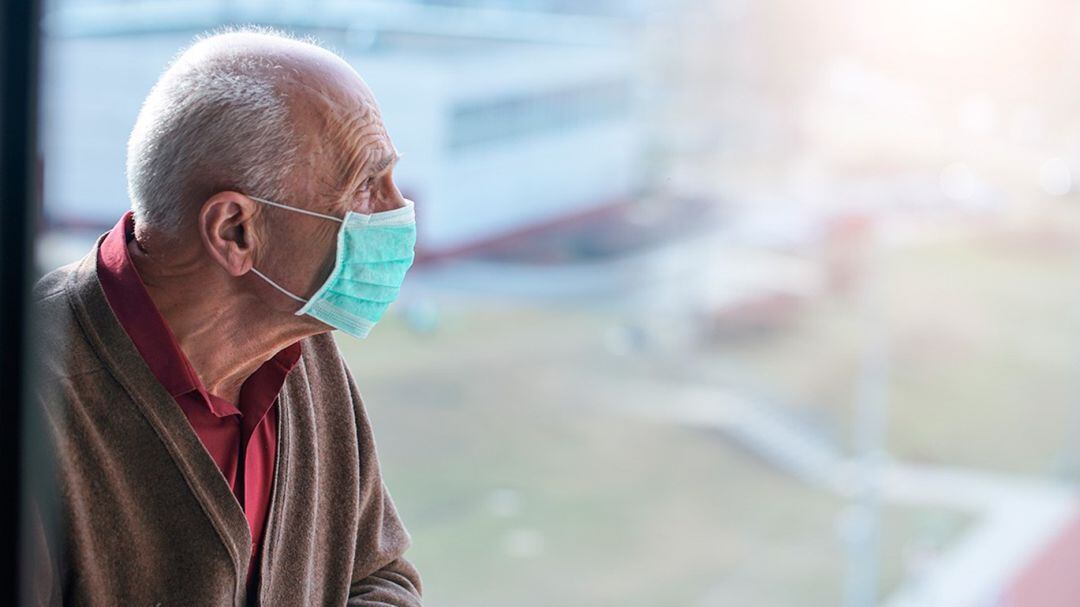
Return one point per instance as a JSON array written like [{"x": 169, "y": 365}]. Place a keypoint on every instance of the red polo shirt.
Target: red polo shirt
[{"x": 242, "y": 436}]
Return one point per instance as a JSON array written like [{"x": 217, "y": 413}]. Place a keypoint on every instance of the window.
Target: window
[{"x": 489, "y": 121}]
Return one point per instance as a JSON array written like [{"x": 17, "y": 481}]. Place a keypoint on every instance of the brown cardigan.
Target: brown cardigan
[{"x": 145, "y": 517}]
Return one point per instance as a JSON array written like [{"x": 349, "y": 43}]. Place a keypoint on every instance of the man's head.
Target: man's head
[{"x": 256, "y": 113}]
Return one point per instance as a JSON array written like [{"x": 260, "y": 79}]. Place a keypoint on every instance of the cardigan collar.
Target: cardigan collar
[{"x": 120, "y": 356}]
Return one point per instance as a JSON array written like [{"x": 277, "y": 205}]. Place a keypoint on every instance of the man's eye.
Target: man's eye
[{"x": 366, "y": 184}]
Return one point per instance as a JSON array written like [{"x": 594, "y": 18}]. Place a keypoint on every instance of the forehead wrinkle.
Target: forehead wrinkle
[
  {"x": 345, "y": 131},
  {"x": 362, "y": 154}
]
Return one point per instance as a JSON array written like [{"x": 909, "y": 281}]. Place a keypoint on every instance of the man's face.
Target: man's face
[
  {"x": 311, "y": 242},
  {"x": 349, "y": 167}
]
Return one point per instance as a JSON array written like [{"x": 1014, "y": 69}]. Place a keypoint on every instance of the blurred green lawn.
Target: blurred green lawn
[
  {"x": 985, "y": 354},
  {"x": 521, "y": 492}
]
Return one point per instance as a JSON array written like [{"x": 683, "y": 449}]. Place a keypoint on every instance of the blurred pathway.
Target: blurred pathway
[{"x": 1018, "y": 521}]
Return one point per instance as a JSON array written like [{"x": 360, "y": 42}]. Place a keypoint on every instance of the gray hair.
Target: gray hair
[{"x": 213, "y": 121}]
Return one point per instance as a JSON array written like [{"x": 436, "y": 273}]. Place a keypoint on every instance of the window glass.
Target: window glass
[{"x": 716, "y": 302}]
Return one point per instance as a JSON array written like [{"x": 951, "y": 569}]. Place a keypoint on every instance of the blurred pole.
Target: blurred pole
[
  {"x": 19, "y": 37},
  {"x": 863, "y": 516},
  {"x": 1069, "y": 458}
]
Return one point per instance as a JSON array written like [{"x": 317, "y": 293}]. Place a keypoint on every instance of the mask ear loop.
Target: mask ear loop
[
  {"x": 296, "y": 209},
  {"x": 277, "y": 286}
]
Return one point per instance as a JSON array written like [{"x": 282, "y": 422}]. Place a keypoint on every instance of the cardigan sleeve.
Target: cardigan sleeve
[
  {"x": 382, "y": 577},
  {"x": 39, "y": 569}
]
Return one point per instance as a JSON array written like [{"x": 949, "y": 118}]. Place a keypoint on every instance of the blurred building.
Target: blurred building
[{"x": 507, "y": 119}]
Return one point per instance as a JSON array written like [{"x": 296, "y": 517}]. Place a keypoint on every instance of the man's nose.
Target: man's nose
[{"x": 393, "y": 198}]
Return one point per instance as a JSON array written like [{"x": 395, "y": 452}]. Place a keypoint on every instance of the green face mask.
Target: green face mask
[{"x": 373, "y": 253}]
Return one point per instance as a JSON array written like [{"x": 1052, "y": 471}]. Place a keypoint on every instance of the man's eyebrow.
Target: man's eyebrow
[{"x": 383, "y": 163}]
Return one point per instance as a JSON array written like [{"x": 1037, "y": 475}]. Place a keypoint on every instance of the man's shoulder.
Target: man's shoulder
[
  {"x": 54, "y": 283},
  {"x": 58, "y": 337},
  {"x": 51, "y": 300}
]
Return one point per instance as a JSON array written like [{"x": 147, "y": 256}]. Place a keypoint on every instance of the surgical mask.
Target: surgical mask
[{"x": 373, "y": 253}]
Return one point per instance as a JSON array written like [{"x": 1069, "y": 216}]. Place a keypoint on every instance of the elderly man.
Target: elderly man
[{"x": 211, "y": 447}]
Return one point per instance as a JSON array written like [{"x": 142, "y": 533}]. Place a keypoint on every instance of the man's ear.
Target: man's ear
[{"x": 225, "y": 223}]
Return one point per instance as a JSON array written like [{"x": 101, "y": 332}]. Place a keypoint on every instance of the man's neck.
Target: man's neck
[{"x": 225, "y": 335}]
